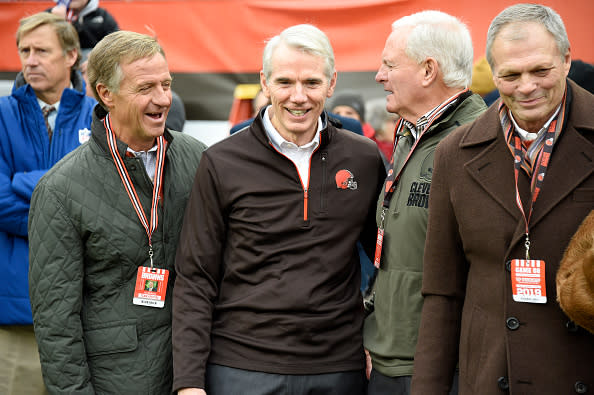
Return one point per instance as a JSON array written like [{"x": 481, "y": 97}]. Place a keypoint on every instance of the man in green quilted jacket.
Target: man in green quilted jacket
[{"x": 105, "y": 221}]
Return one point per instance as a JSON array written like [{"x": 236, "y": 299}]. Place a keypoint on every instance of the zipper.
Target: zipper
[
  {"x": 323, "y": 187},
  {"x": 305, "y": 188}
]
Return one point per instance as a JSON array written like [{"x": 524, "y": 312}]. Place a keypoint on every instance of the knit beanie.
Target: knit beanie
[
  {"x": 482, "y": 77},
  {"x": 350, "y": 99}
]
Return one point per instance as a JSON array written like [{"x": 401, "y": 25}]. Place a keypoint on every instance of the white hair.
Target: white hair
[{"x": 443, "y": 37}]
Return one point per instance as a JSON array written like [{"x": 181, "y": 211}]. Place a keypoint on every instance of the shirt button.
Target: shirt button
[{"x": 512, "y": 323}]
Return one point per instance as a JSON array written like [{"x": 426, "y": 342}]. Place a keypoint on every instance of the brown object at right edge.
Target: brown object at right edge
[{"x": 575, "y": 278}]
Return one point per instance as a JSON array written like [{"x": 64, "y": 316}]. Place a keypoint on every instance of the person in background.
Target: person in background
[
  {"x": 106, "y": 219},
  {"x": 426, "y": 68},
  {"x": 351, "y": 105},
  {"x": 582, "y": 73},
  {"x": 91, "y": 22},
  {"x": 482, "y": 81},
  {"x": 83, "y": 72},
  {"x": 259, "y": 102},
  {"x": 383, "y": 123},
  {"x": 176, "y": 118},
  {"x": 267, "y": 294},
  {"x": 46, "y": 116},
  {"x": 509, "y": 191}
]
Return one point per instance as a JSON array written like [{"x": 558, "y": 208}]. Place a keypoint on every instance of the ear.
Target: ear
[
  {"x": 71, "y": 57},
  {"x": 264, "y": 85},
  {"x": 332, "y": 84},
  {"x": 430, "y": 70},
  {"x": 105, "y": 95},
  {"x": 567, "y": 62}
]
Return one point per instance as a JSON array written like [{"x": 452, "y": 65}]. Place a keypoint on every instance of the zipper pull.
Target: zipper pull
[{"x": 305, "y": 198}]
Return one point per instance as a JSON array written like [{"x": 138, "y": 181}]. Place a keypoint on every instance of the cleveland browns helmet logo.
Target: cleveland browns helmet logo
[{"x": 345, "y": 180}]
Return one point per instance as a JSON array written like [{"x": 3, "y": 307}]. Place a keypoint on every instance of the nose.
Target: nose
[
  {"x": 380, "y": 76},
  {"x": 527, "y": 83},
  {"x": 299, "y": 94},
  {"x": 30, "y": 59},
  {"x": 162, "y": 97}
]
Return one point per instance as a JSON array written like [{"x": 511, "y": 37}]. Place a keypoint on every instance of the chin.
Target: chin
[
  {"x": 154, "y": 131},
  {"x": 303, "y": 128}
]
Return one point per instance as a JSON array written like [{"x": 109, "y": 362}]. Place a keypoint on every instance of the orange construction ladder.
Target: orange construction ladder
[{"x": 241, "y": 109}]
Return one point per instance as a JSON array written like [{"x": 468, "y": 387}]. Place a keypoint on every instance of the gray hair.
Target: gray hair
[
  {"x": 306, "y": 38},
  {"x": 537, "y": 13},
  {"x": 377, "y": 114},
  {"x": 443, "y": 37},
  {"x": 115, "y": 49}
]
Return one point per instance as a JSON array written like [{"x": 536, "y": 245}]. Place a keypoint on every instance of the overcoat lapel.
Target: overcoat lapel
[
  {"x": 485, "y": 167},
  {"x": 572, "y": 162}
]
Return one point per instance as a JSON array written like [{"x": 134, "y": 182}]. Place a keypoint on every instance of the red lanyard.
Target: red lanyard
[
  {"x": 542, "y": 163},
  {"x": 129, "y": 186}
]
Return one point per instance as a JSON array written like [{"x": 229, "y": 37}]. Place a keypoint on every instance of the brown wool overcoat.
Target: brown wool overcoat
[{"x": 475, "y": 227}]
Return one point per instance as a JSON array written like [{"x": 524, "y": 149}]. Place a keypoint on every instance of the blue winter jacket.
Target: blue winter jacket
[{"x": 25, "y": 155}]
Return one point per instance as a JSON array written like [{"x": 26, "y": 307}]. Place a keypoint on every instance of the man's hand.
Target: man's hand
[
  {"x": 60, "y": 10},
  {"x": 191, "y": 391},
  {"x": 367, "y": 364}
]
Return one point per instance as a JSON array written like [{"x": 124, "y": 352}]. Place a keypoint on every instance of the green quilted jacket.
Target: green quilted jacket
[{"x": 86, "y": 244}]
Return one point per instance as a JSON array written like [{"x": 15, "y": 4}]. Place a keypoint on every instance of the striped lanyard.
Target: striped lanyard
[
  {"x": 149, "y": 227},
  {"x": 392, "y": 178},
  {"x": 540, "y": 165}
]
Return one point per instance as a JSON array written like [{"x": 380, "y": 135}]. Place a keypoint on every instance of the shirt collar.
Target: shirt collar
[
  {"x": 153, "y": 149},
  {"x": 42, "y": 104},
  {"x": 278, "y": 141},
  {"x": 529, "y": 136},
  {"x": 56, "y": 105},
  {"x": 430, "y": 115}
]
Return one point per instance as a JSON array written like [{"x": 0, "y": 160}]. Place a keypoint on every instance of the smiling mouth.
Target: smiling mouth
[
  {"x": 298, "y": 113},
  {"x": 530, "y": 100},
  {"x": 155, "y": 115}
]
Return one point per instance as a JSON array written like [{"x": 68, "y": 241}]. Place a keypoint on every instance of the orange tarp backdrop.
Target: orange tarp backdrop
[{"x": 227, "y": 36}]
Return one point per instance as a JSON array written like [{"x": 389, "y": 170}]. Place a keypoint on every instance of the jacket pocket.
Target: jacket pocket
[
  {"x": 114, "y": 338},
  {"x": 473, "y": 346}
]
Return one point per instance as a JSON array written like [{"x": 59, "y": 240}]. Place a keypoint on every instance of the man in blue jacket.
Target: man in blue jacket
[{"x": 31, "y": 143}]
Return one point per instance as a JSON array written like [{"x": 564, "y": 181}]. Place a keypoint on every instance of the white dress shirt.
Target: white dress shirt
[{"x": 300, "y": 155}]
